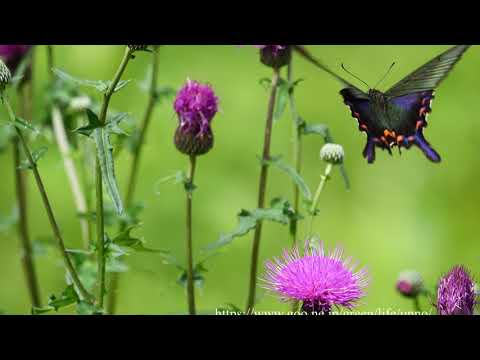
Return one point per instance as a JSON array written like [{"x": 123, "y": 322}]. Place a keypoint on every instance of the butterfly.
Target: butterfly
[{"x": 398, "y": 116}]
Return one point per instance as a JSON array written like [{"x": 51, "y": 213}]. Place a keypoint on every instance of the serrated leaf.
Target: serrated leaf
[
  {"x": 125, "y": 239},
  {"x": 280, "y": 212},
  {"x": 105, "y": 157},
  {"x": 99, "y": 85},
  {"x": 93, "y": 123},
  {"x": 293, "y": 174}
]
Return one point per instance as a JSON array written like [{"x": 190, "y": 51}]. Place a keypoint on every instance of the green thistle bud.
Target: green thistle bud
[
  {"x": 5, "y": 75},
  {"x": 332, "y": 154}
]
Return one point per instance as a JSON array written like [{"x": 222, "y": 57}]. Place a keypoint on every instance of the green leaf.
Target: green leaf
[
  {"x": 6, "y": 222},
  {"x": 125, "y": 239},
  {"x": 105, "y": 156},
  {"x": 280, "y": 212},
  {"x": 85, "y": 308},
  {"x": 113, "y": 124},
  {"x": 93, "y": 123},
  {"x": 180, "y": 177},
  {"x": 99, "y": 85},
  {"x": 67, "y": 298},
  {"x": 36, "y": 155},
  {"x": 324, "y": 132},
  {"x": 294, "y": 175}
]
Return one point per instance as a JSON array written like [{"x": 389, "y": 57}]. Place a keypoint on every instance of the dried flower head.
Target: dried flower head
[
  {"x": 196, "y": 106},
  {"x": 13, "y": 55},
  {"x": 318, "y": 279},
  {"x": 5, "y": 75},
  {"x": 332, "y": 154},
  {"x": 456, "y": 294},
  {"x": 410, "y": 283},
  {"x": 275, "y": 56}
]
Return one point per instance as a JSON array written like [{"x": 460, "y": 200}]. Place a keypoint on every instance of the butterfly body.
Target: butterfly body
[{"x": 398, "y": 116}]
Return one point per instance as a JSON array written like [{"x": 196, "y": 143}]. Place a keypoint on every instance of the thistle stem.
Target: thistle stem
[
  {"x": 51, "y": 217},
  {"x": 297, "y": 152},
  {"x": 99, "y": 181},
  {"x": 132, "y": 180},
  {"x": 21, "y": 193},
  {"x": 262, "y": 193},
  {"x": 189, "y": 242},
  {"x": 321, "y": 186}
]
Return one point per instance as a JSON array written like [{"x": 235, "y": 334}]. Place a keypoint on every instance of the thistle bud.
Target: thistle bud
[
  {"x": 5, "y": 75},
  {"x": 13, "y": 55},
  {"x": 410, "y": 283},
  {"x": 196, "y": 106},
  {"x": 332, "y": 154},
  {"x": 275, "y": 56},
  {"x": 138, "y": 47}
]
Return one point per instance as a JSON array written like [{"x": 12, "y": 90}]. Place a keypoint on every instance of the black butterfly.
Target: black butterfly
[{"x": 398, "y": 116}]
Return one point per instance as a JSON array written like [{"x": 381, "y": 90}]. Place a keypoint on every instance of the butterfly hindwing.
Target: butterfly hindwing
[
  {"x": 408, "y": 116},
  {"x": 429, "y": 76}
]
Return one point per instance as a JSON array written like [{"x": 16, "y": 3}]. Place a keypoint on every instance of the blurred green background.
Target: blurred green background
[{"x": 401, "y": 213}]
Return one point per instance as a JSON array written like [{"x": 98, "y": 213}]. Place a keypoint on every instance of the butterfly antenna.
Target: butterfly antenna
[
  {"x": 385, "y": 76},
  {"x": 351, "y": 74}
]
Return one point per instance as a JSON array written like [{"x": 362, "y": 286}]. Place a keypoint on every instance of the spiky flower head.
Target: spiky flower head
[
  {"x": 456, "y": 294},
  {"x": 275, "y": 56},
  {"x": 196, "y": 106},
  {"x": 318, "y": 279},
  {"x": 410, "y": 283},
  {"x": 332, "y": 154},
  {"x": 138, "y": 47},
  {"x": 5, "y": 75},
  {"x": 13, "y": 55}
]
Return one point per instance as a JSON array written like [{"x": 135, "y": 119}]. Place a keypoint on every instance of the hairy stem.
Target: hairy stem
[
  {"x": 25, "y": 100},
  {"x": 262, "y": 193},
  {"x": 189, "y": 242},
  {"x": 132, "y": 179},
  {"x": 99, "y": 181},
  {"x": 51, "y": 217}
]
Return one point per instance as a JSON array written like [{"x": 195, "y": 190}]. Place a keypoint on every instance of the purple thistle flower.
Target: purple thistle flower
[
  {"x": 456, "y": 294},
  {"x": 12, "y": 55},
  {"x": 318, "y": 279},
  {"x": 196, "y": 106},
  {"x": 275, "y": 56}
]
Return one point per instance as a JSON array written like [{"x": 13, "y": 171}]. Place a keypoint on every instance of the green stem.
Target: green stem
[
  {"x": 316, "y": 198},
  {"x": 51, "y": 217},
  {"x": 297, "y": 152},
  {"x": 262, "y": 193},
  {"x": 189, "y": 242},
  {"x": 132, "y": 182},
  {"x": 21, "y": 192},
  {"x": 99, "y": 181},
  {"x": 416, "y": 304}
]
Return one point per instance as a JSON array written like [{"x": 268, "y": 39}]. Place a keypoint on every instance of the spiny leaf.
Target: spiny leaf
[
  {"x": 25, "y": 125},
  {"x": 93, "y": 123},
  {"x": 283, "y": 91},
  {"x": 280, "y": 212},
  {"x": 127, "y": 240},
  {"x": 294, "y": 175},
  {"x": 68, "y": 297},
  {"x": 105, "y": 156},
  {"x": 99, "y": 85},
  {"x": 113, "y": 124}
]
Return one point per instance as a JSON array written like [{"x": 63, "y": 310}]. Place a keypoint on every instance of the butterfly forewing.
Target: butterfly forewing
[{"x": 429, "y": 76}]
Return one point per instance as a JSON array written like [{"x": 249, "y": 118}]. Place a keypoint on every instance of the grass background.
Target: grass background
[{"x": 401, "y": 213}]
